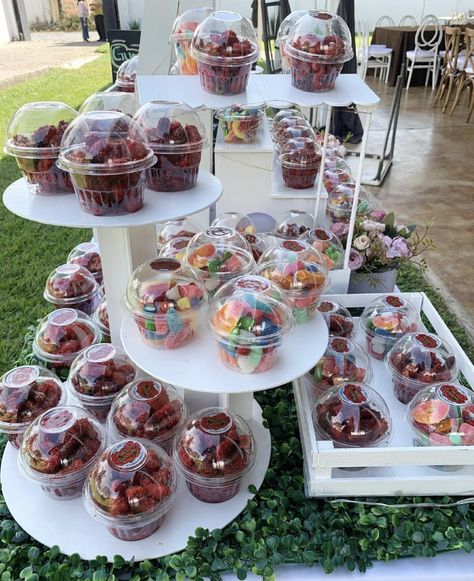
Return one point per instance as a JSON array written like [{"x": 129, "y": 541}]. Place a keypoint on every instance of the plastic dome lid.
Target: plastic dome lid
[
  {"x": 421, "y": 358},
  {"x": 252, "y": 114},
  {"x": 300, "y": 153},
  {"x": 147, "y": 408},
  {"x": 187, "y": 22},
  {"x": 36, "y": 129},
  {"x": 443, "y": 415},
  {"x": 171, "y": 127},
  {"x": 352, "y": 415},
  {"x": 162, "y": 286},
  {"x": 214, "y": 445},
  {"x": 341, "y": 198},
  {"x": 293, "y": 224},
  {"x": 179, "y": 228},
  {"x": 239, "y": 222},
  {"x": 295, "y": 132},
  {"x": 86, "y": 254},
  {"x": 328, "y": 244},
  {"x": 250, "y": 310},
  {"x": 225, "y": 38},
  {"x": 111, "y": 101},
  {"x": 62, "y": 334},
  {"x": 100, "y": 371},
  {"x": 288, "y": 23},
  {"x": 291, "y": 251},
  {"x": 61, "y": 443},
  {"x": 390, "y": 316},
  {"x": 284, "y": 114},
  {"x": 175, "y": 248},
  {"x": 338, "y": 319},
  {"x": 101, "y": 316},
  {"x": 343, "y": 361},
  {"x": 320, "y": 37},
  {"x": 25, "y": 393},
  {"x": 127, "y": 73},
  {"x": 147, "y": 484},
  {"x": 69, "y": 284},
  {"x": 336, "y": 162},
  {"x": 296, "y": 119},
  {"x": 104, "y": 142},
  {"x": 258, "y": 244}
]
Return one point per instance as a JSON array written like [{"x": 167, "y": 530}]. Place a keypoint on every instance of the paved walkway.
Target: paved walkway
[{"x": 22, "y": 60}]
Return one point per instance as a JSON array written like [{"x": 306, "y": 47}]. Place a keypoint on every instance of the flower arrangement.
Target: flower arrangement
[{"x": 380, "y": 244}]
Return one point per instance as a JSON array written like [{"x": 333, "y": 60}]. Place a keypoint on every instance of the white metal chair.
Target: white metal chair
[
  {"x": 362, "y": 48},
  {"x": 407, "y": 20},
  {"x": 376, "y": 57},
  {"x": 381, "y": 21},
  {"x": 425, "y": 55}
]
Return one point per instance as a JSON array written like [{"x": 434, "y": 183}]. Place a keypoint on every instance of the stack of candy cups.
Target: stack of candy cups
[
  {"x": 282, "y": 36},
  {"x": 126, "y": 76},
  {"x": 239, "y": 222},
  {"x": 338, "y": 319},
  {"x": 328, "y": 244},
  {"x": 86, "y": 254},
  {"x": 111, "y": 101},
  {"x": 101, "y": 320},
  {"x": 249, "y": 318},
  {"x": 71, "y": 285},
  {"x": 182, "y": 35}
]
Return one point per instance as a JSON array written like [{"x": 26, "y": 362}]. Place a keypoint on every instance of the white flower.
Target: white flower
[
  {"x": 362, "y": 242},
  {"x": 371, "y": 226}
]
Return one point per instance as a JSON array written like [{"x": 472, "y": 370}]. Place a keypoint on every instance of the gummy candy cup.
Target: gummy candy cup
[
  {"x": 127, "y": 75},
  {"x": 149, "y": 409},
  {"x": 33, "y": 137},
  {"x": 175, "y": 248},
  {"x": 177, "y": 137},
  {"x": 182, "y": 35},
  {"x": 249, "y": 318},
  {"x": 59, "y": 448},
  {"x": 293, "y": 224},
  {"x": 25, "y": 393},
  {"x": 340, "y": 199},
  {"x": 241, "y": 124},
  {"x": 101, "y": 320},
  {"x": 333, "y": 176},
  {"x": 300, "y": 159},
  {"x": 225, "y": 47},
  {"x": 213, "y": 451},
  {"x": 131, "y": 488},
  {"x": 72, "y": 285},
  {"x": 282, "y": 36},
  {"x": 111, "y": 101},
  {"x": 87, "y": 255},
  {"x": 317, "y": 47},
  {"x": 166, "y": 303},
  {"x": 385, "y": 320},
  {"x": 106, "y": 154},
  {"x": 417, "y": 360},
  {"x": 97, "y": 375},
  {"x": 338, "y": 319},
  {"x": 328, "y": 244}
]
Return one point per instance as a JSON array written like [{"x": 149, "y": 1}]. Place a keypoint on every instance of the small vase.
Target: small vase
[{"x": 374, "y": 282}]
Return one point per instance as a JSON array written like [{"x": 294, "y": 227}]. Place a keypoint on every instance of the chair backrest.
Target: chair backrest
[
  {"x": 408, "y": 20},
  {"x": 429, "y": 34},
  {"x": 385, "y": 20},
  {"x": 469, "y": 56},
  {"x": 362, "y": 47},
  {"x": 452, "y": 42}
]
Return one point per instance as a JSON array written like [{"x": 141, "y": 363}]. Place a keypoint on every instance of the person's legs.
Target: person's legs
[
  {"x": 100, "y": 26},
  {"x": 85, "y": 31}
]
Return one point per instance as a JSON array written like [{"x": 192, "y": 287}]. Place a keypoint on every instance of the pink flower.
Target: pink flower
[
  {"x": 378, "y": 215},
  {"x": 387, "y": 241},
  {"x": 356, "y": 260},
  {"x": 399, "y": 248},
  {"x": 340, "y": 229}
]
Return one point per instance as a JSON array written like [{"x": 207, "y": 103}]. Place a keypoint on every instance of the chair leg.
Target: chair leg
[
  {"x": 458, "y": 96},
  {"x": 435, "y": 73},
  {"x": 471, "y": 108},
  {"x": 450, "y": 90},
  {"x": 410, "y": 74},
  {"x": 387, "y": 70},
  {"x": 440, "y": 91}
]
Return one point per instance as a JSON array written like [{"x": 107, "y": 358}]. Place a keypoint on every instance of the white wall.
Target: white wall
[{"x": 38, "y": 10}]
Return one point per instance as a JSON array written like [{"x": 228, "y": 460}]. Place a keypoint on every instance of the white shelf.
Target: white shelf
[
  {"x": 261, "y": 88},
  {"x": 49, "y": 521},
  {"x": 263, "y": 143},
  {"x": 197, "y": 366},
  {"x": 64, "y": 210}
]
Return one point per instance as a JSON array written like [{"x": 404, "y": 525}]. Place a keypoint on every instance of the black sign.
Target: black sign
[{"x": 124, "y": 45}]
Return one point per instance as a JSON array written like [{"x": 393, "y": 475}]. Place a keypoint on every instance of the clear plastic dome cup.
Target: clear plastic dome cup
[
  {"x": 179, "y": 228},
  {"x": 258, "y": 244},
  {"x": 417, "y": 360},
  {"x": 240, "y": 222},
  {"x": 34, "y": 136},
  {"x": 287, "y": 121},
  {"x": 61, "y": 335},
  {"x": 106, "y": 154},
  {"x": 333, "y": 176},
  {"x": 101, "y": 320},
  {"x": 293, "y": 224},
  {"x": 284, "y": 113},
  {"x": 385, "y": 320},
  {"x": 317, "y": 46},
  {"x": 182, "y": 35},
  {"x": 59, "y": 448},
  {"x": 111, "y": 101},
  {"x": 131, "y": 488},
  {"x": 127, "y": 76},
  {"x": 241, "y": 124},
  {"x": 166, "y": 303},
  {"x": 300, "y": 160},
  {"x": 175, "y": 248},
  {"x": 339, "y": 204},
  {"x": 97, "y": 375},
  {"x": 442, "y": 415},
  {"x": 25, "y": 393},
  {"x": 282, "y": 36},
  {"x": 328, "y": 244},
  {"x": 303, "y": 129},
  {"x": 73, "y": 286},
  {"x": 218, "y": 255},
  {"x": 344, "y": 361},
  {"x": 225, "y": 47},
  {"x": 335, "y": 162},
  {"x": 249, "y": 318},
  {"x": 213, "y": 451},
  {"x": 177, "y": 138},
  {"x": 338, "y": 319},
  {"x": 299, "y": 271},
  {"x": 352, "y": 415},
  {"x": 147, "y": 409},
  {"x": 86, "y": 254}
]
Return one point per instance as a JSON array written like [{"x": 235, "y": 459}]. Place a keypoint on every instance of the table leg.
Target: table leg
[{"x": 239, "y": 403}]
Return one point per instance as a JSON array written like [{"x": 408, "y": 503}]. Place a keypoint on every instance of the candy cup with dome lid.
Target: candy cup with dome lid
[
  {"x": 225, "y": 47},
  {"x": 111, "y": 101},
  {"x": 218, "y": 255},
  {"x": 258, "y": 244},
  {"x": 214, "y": 450},
  {"x": 385, "y": 320},
  {"x": 335, "y": 162},
  {"x": 285, "y": 113},
  {"x": 293, "y": 224},
  {"x": 181, "y": 36},
  {"x": 72, "y": 285},
  {"x": 106, "y": 154},
  {"x": 59, "y": 448},
  {"x": 149, "y": 409},
  {"x": 177, "y": 138},
  {"x": 328, "y": 244},
  {"x": 296, "y": 119},
  {"x": 442, "y": 415},
  {"x": 338, "y": 319},
  {"x": 25, "y": 393},
  {"x": 300, "y": 159},
  {"x": 335, "y": 174},
  {"x": 303, "y": 129},
  {"x": 175, "y": 248},
  {"x": 340, "y": 199},
  {"x": 127, "y": 76},
  {"x": 239, "y": 222},
  {"x": 86, "y": 254},
  {"x": 131, "y": 488},
  {"x": 101, "y": 320},
  {"x": 240, "y": 124},
  {"x": 178, "y": 228},
  {"x": 417, "y": 360},
  {"x": 34, "y": 137},
  {"x": 282, "y": 36},
  {"x": 249, "y": 318}
]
